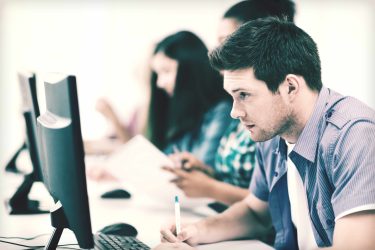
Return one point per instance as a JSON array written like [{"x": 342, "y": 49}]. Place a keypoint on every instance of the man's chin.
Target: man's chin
[
  {"x": 253, "y": 136},
  {"x": 256, "y": 137}
]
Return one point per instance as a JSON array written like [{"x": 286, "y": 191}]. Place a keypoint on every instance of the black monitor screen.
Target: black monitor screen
[{"x": 62, "y": 156}]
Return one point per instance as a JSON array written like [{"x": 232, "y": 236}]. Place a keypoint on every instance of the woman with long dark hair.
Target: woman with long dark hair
[{"x": 189, "y": 109}]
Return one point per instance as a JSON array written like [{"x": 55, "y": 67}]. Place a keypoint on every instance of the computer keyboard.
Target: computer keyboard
[{"x": 108, "y": 241}]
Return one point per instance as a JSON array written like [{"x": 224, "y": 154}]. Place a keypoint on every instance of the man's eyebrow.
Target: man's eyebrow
[{"x": 236, "y": 90}]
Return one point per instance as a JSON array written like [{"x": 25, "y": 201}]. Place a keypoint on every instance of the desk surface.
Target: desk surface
[{"x": 146, "y": 214}]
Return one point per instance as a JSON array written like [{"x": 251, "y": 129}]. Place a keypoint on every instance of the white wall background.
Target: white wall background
[{"x": 106, "y": 44}]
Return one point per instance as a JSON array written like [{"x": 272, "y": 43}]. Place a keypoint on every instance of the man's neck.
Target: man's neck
[{"x": 303, "y": 108}]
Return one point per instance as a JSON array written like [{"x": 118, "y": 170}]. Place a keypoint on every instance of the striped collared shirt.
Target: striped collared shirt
[{"x": 335, "y": 158}]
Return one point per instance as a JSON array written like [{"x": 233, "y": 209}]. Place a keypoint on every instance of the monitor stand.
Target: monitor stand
[
  {"x": 11, "y": 165},
  {"x": 59, "y": 222},
  {"x": 20, "y": 203}
]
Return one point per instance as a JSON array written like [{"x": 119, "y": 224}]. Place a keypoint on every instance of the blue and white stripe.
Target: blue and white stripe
[{"x": 335, "y": 158}]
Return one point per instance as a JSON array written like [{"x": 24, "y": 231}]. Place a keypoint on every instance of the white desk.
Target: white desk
[{"x": 142, "y": 212}]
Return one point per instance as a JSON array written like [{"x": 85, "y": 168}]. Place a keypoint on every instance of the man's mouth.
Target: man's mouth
[{"x": 249, "y": 127}]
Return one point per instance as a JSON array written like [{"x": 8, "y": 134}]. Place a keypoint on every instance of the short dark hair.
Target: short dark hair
[
  {"x": 273, "y": 48},
  {"x": 198, "y": 87},
  {"x": 247, "y": 10}
]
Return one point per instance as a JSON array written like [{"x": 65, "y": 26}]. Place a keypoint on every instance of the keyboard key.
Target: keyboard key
[{"x": 106, "y": 241}]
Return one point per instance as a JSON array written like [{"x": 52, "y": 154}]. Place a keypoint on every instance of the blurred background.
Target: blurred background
[{"x": 107, "y": 44}]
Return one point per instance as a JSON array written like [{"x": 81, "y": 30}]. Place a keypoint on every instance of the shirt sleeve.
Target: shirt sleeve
[
  {"x": 353, "y": 170},
  {"x": 258, "y": 183}
]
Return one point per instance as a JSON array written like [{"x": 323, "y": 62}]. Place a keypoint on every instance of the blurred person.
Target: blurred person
[
  {"x": 122, "y": 131},
  {"x": 189, "y": 110},
  {"x": 314, "y": 176},
  {"x": 227, "y": 180}
]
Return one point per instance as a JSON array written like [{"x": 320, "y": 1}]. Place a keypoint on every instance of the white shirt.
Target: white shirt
[{"x": 299, "y": 206}]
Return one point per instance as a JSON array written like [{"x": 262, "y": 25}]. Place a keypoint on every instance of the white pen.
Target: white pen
[{"x": 177, "y": 215}]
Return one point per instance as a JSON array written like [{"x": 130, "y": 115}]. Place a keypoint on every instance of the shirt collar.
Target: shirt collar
[{"x": 307, "y": 143}]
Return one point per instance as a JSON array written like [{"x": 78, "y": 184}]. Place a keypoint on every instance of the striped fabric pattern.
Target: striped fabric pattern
[{"x": 334, "y": 156}]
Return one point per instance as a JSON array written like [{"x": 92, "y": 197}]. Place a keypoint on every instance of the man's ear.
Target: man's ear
[
  {"x": 293, "y": 84},
  {"x": 291, "y": 87}
]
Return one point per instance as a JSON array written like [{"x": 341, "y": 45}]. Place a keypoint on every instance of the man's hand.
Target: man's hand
[
  {"x": 188, "y": 234},
  {"x": 179, "y": 245}
]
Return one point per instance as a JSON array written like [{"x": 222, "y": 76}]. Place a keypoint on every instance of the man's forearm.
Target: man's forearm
[
  {"x": 227, "y": 193},
  {"x": 237, "y": 222}
]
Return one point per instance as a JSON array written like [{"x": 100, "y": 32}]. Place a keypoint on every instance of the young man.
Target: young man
[
  {"x": 314, "y": 183},
  {"x": 227, "y": 180}
]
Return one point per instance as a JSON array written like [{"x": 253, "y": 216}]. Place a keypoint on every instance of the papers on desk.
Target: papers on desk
[
  {"x": 237, "y": 244},
  {"x": 138, "y": 166}
]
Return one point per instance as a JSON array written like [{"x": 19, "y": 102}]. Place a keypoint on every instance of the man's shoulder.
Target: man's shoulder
[
  {"x": 349, "y": 123},
  {"x": 343, "y": 110}
]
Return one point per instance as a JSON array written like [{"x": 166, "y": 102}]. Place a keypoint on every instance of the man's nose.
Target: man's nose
[{"x": 236, "y": 112}]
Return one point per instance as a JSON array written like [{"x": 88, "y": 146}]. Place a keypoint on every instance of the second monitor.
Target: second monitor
[{"x": 19, "y": 203}]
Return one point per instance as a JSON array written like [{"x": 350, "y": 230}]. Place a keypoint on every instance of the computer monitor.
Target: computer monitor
[
  {"x": 19, "y": 203},
  {"x": 62, "y": 156}
]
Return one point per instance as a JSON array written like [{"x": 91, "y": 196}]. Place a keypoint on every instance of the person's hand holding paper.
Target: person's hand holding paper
[
  {"x": 193, "y": 183},
  {"x": 188, "y": 162},
  {"x": 192, "y": 176},
  {"x": 138, "y": 164}
]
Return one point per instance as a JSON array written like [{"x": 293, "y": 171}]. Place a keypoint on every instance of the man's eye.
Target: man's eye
[{"x": 243, "y": 95}]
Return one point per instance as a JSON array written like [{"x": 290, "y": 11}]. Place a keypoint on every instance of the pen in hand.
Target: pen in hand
[{"x": 177, "y": 215}]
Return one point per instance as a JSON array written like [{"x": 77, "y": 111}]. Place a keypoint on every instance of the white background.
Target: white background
[{"x": 106, "y": 44}]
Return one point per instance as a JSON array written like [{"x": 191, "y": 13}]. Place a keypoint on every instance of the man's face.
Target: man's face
[{"x": 263, "y": 113}]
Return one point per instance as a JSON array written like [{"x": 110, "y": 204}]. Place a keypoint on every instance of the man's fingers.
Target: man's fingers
[
  {"x": 162, "y": 239},
  {"x": 182, "y": 236},
  {"x": 168, "y": 236}
]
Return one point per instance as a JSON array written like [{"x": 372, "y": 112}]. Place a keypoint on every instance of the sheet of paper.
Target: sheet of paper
[
  {"x": 238, "y": 245},
  {"x": 138, "y": 165}
]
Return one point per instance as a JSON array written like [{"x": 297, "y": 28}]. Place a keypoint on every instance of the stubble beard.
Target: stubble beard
[{"x": 281, "y": 127}]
